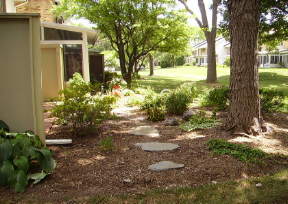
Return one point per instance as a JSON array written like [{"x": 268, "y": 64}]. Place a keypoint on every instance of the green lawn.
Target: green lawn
[{"x": 173, "y": 77}]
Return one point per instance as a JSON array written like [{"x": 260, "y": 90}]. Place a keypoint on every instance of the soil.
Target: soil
[{"x": 84, "y": 170}]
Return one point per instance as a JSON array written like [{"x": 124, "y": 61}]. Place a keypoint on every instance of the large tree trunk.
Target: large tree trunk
[
  {"x": 211, "y": 57},
  {"x": 151, "y": 64},
  {"x": 245, "y": 114}
]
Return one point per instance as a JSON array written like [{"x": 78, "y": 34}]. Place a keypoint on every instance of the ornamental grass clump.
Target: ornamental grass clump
[{"x": 178, "y": 100}]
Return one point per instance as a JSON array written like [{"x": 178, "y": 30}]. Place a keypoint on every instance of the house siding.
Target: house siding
[{"x": 38, "y": 6}]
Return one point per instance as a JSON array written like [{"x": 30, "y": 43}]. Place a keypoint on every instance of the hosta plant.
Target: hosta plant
[{"x": 19, "y": 154}]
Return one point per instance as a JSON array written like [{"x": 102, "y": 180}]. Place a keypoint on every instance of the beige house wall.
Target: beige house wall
[
  {"x": 53, "y": 70},
  {"x": 38, "y": 6},
  {"x": 20, "y": 73}
]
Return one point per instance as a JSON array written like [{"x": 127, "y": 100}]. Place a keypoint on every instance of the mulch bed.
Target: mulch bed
[{"x": 84, "y": 170}]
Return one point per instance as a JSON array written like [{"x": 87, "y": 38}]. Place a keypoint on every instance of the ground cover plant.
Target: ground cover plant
[
  {"x": 199, "y": 121},
  {"x": 80, "y": 108},
  {"x": 23, "y": 157},
  {"x": 239, "y": 151}
]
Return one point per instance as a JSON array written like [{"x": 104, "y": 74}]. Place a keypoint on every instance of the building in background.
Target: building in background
[{"x": 267, "y": 58}]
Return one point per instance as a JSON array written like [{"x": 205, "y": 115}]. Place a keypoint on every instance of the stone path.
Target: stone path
[
  {"x": 152, "y": 132},
  {"x": 148, "y": 131},
  {"x": 165, "y": 165},
  {"x": 157, "y": 146}
]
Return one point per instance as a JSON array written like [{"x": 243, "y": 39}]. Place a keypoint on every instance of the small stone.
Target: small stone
[
  {"x": 148, "y": 131},
  {"x": 157, "y": 146},
  {"x": 258, "y": 185},
  {"x": 171, "y": 122},
  {"x": 214, "y": 182},
  {"x": 127, "y": 180},
  {"x": 188, "y": 114},
  {"x": 165, "y": 165}
]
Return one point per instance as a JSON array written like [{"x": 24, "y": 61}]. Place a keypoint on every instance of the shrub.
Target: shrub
[
  {"x": 199, "y": 121},
  {"x": 217, "y": 97},
  {"x": 227, "y": 62},
  {"x": 156, "y": 113},
  {"x": 167, "y": 60},
  {"x": 180, "y": 60},
  {"x": 154, "y": 105},
  {"x": 79, "y": 108},
  {"x": 238, "y": 151},
  {"x": 271, "y": 100},
  {"x": 178, "y": 100},
  {"x": 107, "y": 144},
  {"x": 22, "y": 155}
]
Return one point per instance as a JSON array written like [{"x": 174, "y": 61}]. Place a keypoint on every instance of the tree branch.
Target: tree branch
[
  {"x": 203, "y": 14},
  {"x": 214, "y": 15},
  {"x": 191, "y": 12}
]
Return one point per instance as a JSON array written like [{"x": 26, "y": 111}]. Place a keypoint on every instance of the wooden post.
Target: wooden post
[{"x": 85, "y": 58}]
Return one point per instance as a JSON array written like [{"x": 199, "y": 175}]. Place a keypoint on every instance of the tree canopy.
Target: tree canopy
[
  {"x": 133, "y": 27},
  {"x": 273, "y": 21}
]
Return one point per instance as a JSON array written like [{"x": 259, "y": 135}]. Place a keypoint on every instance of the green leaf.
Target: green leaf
[
  {"x": 22, "y": 163},
  {"x": 37, "y": 177},
  {"x": 21, "y": 182},
  {"x": 6, "y": 173},
  {"x": 47, "y": 163},
  {"x": 6, "y": 150}
]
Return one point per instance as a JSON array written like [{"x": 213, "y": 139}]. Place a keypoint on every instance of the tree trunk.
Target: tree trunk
[
  {"x": 211, "y": 57},
  {"x": 245, "y": 114},
  {"x": 151, "y": 64}
]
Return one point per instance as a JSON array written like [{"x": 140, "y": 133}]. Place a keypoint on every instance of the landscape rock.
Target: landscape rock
[
  {"x": 188, "y": 114},
  {"x": 148, "y": 131},
  {"x": 171, "y": 122},
  {"x": 165, "y": 165},
  {"x": 157, "y": 146}
]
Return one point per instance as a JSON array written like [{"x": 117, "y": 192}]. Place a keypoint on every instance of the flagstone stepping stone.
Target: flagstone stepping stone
[
  {"x": 148, "y": 131},
  {"x": 157, "y": 146},
  {"x": 165, "y": 165}
]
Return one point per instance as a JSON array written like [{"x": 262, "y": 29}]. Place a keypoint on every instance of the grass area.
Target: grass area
[
  {"x": 238, "y": 151},
  {"x": 169, "y": 78},
  {"x": 269, "y": 189}
]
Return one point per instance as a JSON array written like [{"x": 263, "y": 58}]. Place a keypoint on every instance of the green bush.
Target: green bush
[
  {"x": 167, "y": 60},
  {"x": 199, "y": 121},
  {"x": 227, "y": 62},
  {"x": 177, "y": 101},
  {"x": 154, "y": 105},
  {"x": 22, "y": 158},
  {"x": 271, "y": 100},
  {"x": 217, "y": 97},
  {"x": 238, "y": 151},
  {"x": 180, "y": 60},
  {"x": 79, "y": 108},
  {"x": 156, "y": 113}
]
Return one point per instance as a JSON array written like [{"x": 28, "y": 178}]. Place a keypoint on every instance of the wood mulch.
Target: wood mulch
[{"x": 84, "y": 170}]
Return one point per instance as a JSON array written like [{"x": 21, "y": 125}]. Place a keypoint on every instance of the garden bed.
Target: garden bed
[{"x": 84, "y": 170}]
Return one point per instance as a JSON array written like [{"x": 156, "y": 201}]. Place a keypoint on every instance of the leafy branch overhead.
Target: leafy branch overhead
[{"x": 134, "y": 28}]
